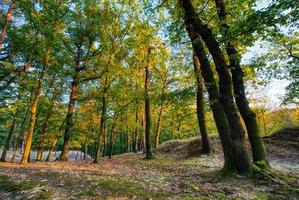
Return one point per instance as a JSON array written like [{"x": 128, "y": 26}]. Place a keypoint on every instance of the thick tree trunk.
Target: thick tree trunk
[
  {"x": 102, "y": 120},
  {"x": 11, "y": 131},
  {"x": 32, "y": 117},
  {"x": 147, "y": 111},
  {"x": 205, "y": 140},
  {"x": 53, "y": 143},
  {"x": 237, "y": 131},
  {"x": 214, "y": 97},
  {"x": 42, "y": 138},
  {"x": 69, "y": 123},
  {"x": 6, "y": 23},
  {"x": 249, "y": 117}
]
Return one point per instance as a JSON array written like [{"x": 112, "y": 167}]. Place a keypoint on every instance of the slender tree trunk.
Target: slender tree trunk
[
  {"x": 249, "y": 117},
  {"x": 11, "y": 131},
  {"x": 237, "y": 131},
  {"x": 102, "y": 120},
  {"x": 112, "y": 134},
  {"x": 69, "y": 122},
  {"x": 42, "y": 138},
  {"x": 159, "y": 124},
  {"x": 105, "y": 140},
  {"x": 135, "y": 137},
  {"x": 6, "y": 23},
  {"x": 34, "y": 103},
  {"x": 21, "y": 132},
  {"x": 206, "y": 144},
  {"x": 53, "y": 143},
  {"x": 147, "y": 111},
  {"x": 85, "y": 151}
]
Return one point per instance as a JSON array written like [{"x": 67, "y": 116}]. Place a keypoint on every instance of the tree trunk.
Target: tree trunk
[
  {"x": 32, "y": 116},
  {"x": 21, "y": 132},
  {"x": 214, "y": 97},
  {"x": 159, "y": 123},
  {"x": 102, "y": 120},
  {"x": 11, "y": 131},
  {"x": 249, "y": 117},
  {"x": 147, "y": 111},
  {"x": 6, "y": 22},
  {"x": 51, "y": 149},
  {"x": 39, "y": 156},
  {"x": 69, "y": 123},
  {"x": 205, "y": 140},
  {"x": 135, "y": 136},
  {"x": 105, "y": 141},
  {"x": 237, "y": 131},
  {"x": 113, "y": 131}
]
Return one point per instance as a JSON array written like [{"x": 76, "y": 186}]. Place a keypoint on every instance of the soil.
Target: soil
[{"x": 178, "y": 171}]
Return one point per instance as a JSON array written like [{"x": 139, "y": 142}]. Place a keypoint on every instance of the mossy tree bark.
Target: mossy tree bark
[
  {"x": 249, "y": 117},
  {"x": 214, "y": 98},
  {"x": 237, "y": 131},
  {"x": 205, "y": 140}
]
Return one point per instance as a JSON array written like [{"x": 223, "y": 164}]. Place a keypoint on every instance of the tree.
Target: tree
[{"x": 205, "y": 140}]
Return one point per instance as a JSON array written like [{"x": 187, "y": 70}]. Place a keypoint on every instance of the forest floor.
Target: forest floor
[{"x": 177, "y": 172}]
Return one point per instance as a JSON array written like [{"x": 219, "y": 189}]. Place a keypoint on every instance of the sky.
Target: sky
[{"x": 276, "y": 90}]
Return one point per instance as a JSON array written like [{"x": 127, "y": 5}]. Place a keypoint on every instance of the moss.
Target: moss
[
  {"x": 43, "y": 195},
  {"x": 119, "y": 186},
  {"x": 16, "y": 187},
  {"x": 87, "y": 193},
  {"x": 7, "y": 186},
  {"x": 261, "y": 196}
]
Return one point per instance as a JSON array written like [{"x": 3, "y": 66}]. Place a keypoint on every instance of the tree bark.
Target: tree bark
[
  {"x": 6, "y": 23},
  {"x": 112, "y": 134},
  {"x": 249, "y": 117},
  {"x": 33, "y": 107},
  {"x": 69, "y": 122},
  {"x": 102, "y": 120},
  {"x": 11, "y": 131},
  {"x": 149, "y": 154},
  {"x": 53, "y": 143},
  {"x": 105, "y": 141},
  {"x": 214, "y": 98},
  {"x": 21, "y": 131},
  {"x": 159, "y": 122},
  {"x": 135, "y": 136},
  {"x": 40, "y": 148},
  {"x": 205, "y": 140},
  {"x": 237, "y": 131}
]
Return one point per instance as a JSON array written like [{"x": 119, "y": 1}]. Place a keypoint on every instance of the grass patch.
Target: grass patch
[
  {"x": 26, "y": 187},
  {"x": 119, "y": 186},
  {"x": 7, "y": 186},
  {"x": 87, "y": 193}
]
